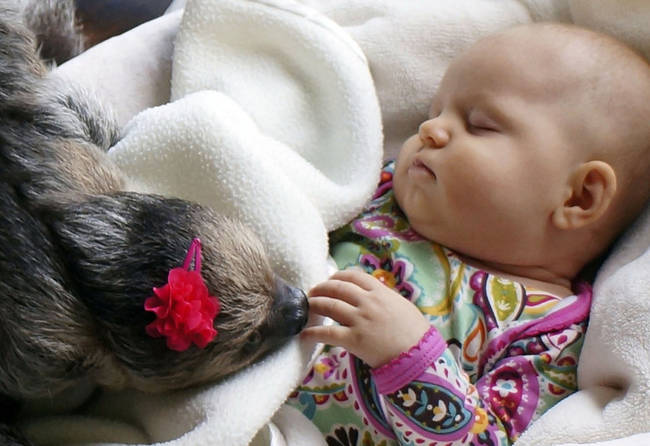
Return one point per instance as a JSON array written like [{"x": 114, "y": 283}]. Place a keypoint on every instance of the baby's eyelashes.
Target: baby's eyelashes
[{"x": 477, "y": 128}]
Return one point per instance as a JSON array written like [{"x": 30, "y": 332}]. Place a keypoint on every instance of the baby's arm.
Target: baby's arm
[{"x": 424, "y": 391}]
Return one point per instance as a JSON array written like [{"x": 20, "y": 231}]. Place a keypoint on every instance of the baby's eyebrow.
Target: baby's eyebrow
[{"x": 492, "y": 109}]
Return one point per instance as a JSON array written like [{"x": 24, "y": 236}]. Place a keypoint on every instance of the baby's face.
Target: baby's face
[{"x": 485, "y": 171}]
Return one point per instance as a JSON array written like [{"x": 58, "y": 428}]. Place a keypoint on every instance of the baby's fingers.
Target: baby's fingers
[
  {"x": 338, "y": 289},
  {"x": 357, "y": 276},
  {"x": 329, "y": 334},
  {"x": 342, "y": 312}
]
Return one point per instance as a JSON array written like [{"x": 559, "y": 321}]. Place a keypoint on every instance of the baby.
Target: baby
[{"x": 462, "y": 320}]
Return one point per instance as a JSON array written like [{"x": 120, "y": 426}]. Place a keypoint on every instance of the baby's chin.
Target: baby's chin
[{"x": 473, "y": 251}]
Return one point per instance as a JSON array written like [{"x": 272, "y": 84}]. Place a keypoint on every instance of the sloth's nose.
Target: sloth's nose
[{"x": 292, "y": 308}]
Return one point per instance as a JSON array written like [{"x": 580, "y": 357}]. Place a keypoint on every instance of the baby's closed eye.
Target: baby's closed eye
[
  {"x": 479, "y": 121},
  {"x": 481, "y": 125}
]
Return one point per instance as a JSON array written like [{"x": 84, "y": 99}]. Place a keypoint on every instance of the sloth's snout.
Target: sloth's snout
[{"x": 291, "y": 308}]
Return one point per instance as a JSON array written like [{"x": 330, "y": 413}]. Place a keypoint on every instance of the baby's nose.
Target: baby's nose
[{"x": 434, "y": 134}]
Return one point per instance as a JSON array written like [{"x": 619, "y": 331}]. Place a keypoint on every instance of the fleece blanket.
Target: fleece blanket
[{"x": 280, "y": 90}]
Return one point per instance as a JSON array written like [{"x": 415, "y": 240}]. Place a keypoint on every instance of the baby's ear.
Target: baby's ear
[{"x": 589, "y": 195}]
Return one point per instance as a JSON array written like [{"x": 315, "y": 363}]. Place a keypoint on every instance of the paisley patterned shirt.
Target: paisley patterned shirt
[{"x": 497, "y": 356}]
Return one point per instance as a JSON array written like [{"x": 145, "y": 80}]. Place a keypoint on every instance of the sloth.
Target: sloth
[{"x": 80, "y": 258}]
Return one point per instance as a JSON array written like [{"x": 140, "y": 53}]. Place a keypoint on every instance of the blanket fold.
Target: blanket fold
[{"x": 304, "y": 82}]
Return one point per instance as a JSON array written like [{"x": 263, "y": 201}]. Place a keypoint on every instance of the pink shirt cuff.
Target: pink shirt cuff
[{"x": 409, "y": 365}]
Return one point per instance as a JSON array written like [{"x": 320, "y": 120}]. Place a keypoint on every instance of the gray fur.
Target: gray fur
[
  {"x": 55, "y": 24},
  {"x": 78, "y": 256}
]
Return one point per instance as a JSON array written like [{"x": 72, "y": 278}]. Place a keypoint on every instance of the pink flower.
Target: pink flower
[
  {"x": 184, "y": 311},
  {"x": 393, "y": 272}
]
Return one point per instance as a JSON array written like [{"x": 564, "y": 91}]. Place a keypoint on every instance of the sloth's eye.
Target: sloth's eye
[{"x": 253, "y": 342}]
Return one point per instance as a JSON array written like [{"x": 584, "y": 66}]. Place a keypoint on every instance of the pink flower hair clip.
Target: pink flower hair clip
[{"x": 184, "y": 309}]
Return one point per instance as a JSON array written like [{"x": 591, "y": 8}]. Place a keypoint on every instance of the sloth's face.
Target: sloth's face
[{"x": 258, "y": 310}]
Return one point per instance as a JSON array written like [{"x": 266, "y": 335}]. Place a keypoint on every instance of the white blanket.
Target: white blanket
[{"x": 292, "y": 102}]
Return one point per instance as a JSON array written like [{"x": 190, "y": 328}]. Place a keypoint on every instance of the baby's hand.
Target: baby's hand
[{"x": 376, "y": 323}]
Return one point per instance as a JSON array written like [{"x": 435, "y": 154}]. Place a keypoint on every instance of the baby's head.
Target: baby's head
[{"x": 537, "y": 150}]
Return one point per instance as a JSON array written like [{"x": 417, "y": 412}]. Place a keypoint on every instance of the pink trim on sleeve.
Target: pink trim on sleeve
[{"x": 400, "y": 371}]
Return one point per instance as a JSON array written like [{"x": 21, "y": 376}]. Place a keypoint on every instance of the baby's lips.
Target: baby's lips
[{"x": 419, "y": 164}]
